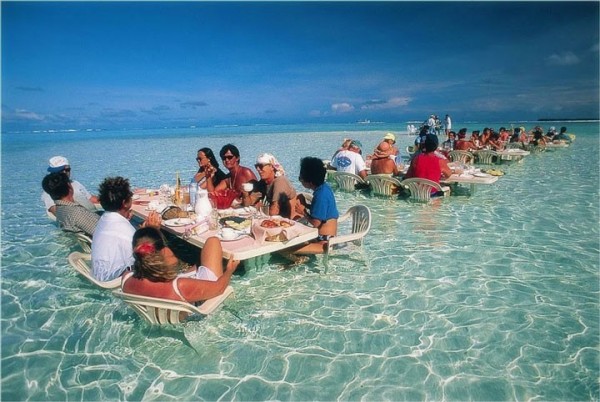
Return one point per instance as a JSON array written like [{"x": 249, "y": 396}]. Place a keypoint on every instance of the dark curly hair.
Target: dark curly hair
[
  {"x": 312, "y": 170},
  {"x": 56, "y": 185},
  {"x": 113, "y": 192}
]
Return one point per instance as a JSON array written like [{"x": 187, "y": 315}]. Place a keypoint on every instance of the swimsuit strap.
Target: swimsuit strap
[
  {"x": 176, "y": 289},
  {"x": 125, "y": 277}
]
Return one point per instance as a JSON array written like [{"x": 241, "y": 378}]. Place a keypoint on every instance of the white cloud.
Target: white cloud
[
  {"x": 22, "y": 114},
  {"x": 389, "y": 104},
  {"x": 342, "y": 107},
  {"x": 563, "y": 59}
]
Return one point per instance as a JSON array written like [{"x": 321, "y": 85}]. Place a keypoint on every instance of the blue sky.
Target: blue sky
[{"x": 160, "y": 64}]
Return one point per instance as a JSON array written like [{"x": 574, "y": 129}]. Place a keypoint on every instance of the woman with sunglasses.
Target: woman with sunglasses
[
  {"x": 279, "y": 194},
  {"x": 238, "y": 175},
  {"x": 208, "y": 167}
]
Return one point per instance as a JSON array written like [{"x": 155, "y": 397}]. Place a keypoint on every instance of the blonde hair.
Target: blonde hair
[{"x": 149, "y": 261}]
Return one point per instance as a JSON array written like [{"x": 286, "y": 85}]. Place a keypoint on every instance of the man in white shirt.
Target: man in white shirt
[
  {"x": 112, "y": 250},
  {"x": 350, "y": 160},
  {"x": 60, "y": 164}
]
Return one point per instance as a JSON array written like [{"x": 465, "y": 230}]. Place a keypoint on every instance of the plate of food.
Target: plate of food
[
  {"x": 235, "y": 222},
  {"x": 176, "y": 222},
  {"x": 276, "y": 223}
]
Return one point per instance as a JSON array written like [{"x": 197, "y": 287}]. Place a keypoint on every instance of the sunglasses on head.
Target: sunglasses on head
[
  {"x": 228, "y": 157},
  {"x": 261, "y": 166}
]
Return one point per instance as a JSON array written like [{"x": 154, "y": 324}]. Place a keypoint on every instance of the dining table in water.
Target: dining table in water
[{"x": 241, "y": 245}]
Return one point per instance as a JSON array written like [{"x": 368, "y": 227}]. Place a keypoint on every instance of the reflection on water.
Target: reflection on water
[{"x": 489, "y": 297}]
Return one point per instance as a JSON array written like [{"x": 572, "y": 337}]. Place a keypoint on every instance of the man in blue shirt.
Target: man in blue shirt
[{"x": 322, "y": 213}]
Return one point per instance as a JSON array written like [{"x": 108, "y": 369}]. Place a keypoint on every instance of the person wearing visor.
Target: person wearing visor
[{"x": 60, "y": 164}]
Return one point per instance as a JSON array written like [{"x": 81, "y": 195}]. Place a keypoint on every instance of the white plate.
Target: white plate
[
  {"x": 179, "y": 222},
  {"x": 238, "y": 235},
  {"x": 482, "y": 175}
]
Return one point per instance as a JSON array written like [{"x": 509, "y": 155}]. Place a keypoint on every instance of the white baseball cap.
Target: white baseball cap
[{"x": 57, "y": 164}]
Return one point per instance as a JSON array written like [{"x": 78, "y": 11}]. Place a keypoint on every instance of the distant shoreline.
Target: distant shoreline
[{"x": 572, "y": 120}]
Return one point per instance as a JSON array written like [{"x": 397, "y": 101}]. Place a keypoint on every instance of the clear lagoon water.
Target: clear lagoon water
[{"x": 488, "y": 297}]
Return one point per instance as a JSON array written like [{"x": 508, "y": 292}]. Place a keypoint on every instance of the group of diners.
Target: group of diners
[
  {"x": 140, "y": 254},
  {"x": 429, "y": 159},
  {"x": 427, "y": 162},
  {"x": 497, "y": 140}
]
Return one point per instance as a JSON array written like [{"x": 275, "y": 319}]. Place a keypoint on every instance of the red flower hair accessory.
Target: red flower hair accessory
[{"x": 144, "y": 249}]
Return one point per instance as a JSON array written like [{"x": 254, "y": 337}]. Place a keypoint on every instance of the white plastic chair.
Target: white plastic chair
[
  {"x": 461, "y": 156},
  {"x": 361, "y": 224},
  {"x": 51, "y": 216},
  {"x": 486, "y": 156},
  {"x": 84, "y": 241},
  {"x": 383, "y": 184},
  {"x": 420, "y": 189},
  {"x": 166, "y": 311},
  {"x": 80, "y": 261},
  {"x": 347, "y": 181}
]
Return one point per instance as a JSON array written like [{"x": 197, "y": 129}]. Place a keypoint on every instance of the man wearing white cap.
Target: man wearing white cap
[
  {"x": 60, "y": 164},
  {"x": 350, "y": 160}
]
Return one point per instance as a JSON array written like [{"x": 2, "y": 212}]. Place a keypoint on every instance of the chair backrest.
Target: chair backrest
[
  {"x": 460, "y": 156},
  {"x": 166, "y": 311},
  {"x": 84, "y": 241},
  {"x": 383, "y": 184},
  {"x": 361, "y": 224},
  {"x": 536, "y": 149},
  {"x": 486, "y": 156},
  {"x": 51, "y": 216},
  {"x": 514, "y": 145},
  {"x": 420, "y": 189},
  {"x": 81, "y": 263},
  {"x": 347, "y": 181}
]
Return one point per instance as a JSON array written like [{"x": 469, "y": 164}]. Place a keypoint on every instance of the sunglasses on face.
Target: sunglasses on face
[
  {"x": 261, "y": 166},
  {"x": 198, "y": 159},
  {"x": 228, "y": 157}
]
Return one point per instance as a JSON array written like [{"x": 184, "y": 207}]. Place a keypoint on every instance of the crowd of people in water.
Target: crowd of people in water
[{"x": 140, "y": 254}]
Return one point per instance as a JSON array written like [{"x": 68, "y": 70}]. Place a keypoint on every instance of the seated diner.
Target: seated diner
[
  {"x": 427, "y": 165},
  {"x": 157, "y": 272},
  {"x": 322, "y": 213}
]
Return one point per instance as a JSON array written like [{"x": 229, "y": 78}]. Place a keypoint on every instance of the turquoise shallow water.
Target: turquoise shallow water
[{"x": 489, "y": 297}]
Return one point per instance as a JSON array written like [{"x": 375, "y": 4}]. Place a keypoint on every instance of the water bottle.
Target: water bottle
[{"x": 193, "y": 189}]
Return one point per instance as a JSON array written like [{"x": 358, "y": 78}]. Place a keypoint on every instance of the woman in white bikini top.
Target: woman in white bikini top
[{"x": 157, "y": 272}]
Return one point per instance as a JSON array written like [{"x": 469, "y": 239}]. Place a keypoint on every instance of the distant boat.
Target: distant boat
[{"x": 365, "y": 121}]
